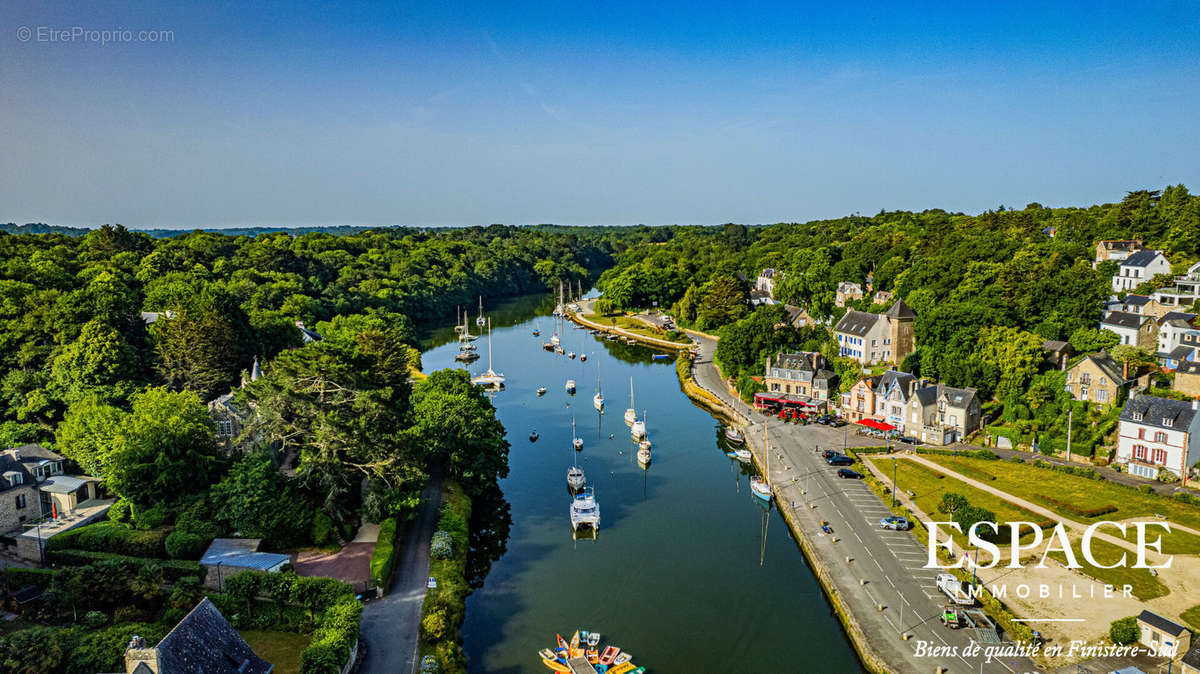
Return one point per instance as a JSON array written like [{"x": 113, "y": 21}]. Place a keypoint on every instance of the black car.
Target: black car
[
  {"x": 909, "y": 440},
  {"x": 837, "y": 422},
  {"x": 849, "y": 474},
  {"x": 839, "y": 460}
]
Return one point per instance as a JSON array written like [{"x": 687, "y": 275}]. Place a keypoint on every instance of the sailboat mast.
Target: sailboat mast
[
  {"x": 767, "y": 455},
  {"x": 489, "y": 344}
]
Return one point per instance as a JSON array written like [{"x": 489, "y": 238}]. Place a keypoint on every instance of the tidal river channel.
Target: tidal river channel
[{"x": 688, "y": 572}]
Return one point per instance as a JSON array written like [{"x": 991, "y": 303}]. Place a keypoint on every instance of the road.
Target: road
[
  {"x": 890, "y": 562},
  {"x": 391, "y": 626}
]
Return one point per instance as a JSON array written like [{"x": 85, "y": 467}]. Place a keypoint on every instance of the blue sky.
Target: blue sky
[{"x": 578, "y": 113}]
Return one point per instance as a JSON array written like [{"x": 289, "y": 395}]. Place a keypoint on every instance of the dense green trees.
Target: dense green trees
[
  {"x": 259, "y": 501},
  {"x": 456, "y": 423}
]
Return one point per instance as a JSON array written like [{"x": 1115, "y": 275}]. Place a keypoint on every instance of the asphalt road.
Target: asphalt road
[
  {"x": 890, "y": 562},
  {"x": 391, "y": 626}
]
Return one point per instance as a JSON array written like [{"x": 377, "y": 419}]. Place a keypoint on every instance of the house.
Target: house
[
  {"x": 1164, "y": 636},
  {"x": 942, "y": 415},
  {"x": 859, "y": 402},
  {"x": 1158, "y": 434},
  {"x": 1057, "y": 353},
  {"x": 799, "y": 318},
  {"x": 1186, "y": 291},
  {"x": 1049, "y": 231},
  {"x": 1139, "y": 268},
  {"x": 1190, "y": 663},
  {"x": 801, "y": 374},
  {"x": 1097, "y": 378},
  {"x": 1172, "y": 327},
  {"x": 231, "y": 417},
  {"x": 1187, "y": 378},
  {"x": 766, "y": 281},
  {"x": 1132, "y": 329},
  {"x": 227, "y": 556},
  {"x": 1116, "y": 249},
  {"x": 892, "y": 395},
  {"x": 34, "y": 484},
  {"x": 877, "y": 338},
  {"x": 758, "y": 297},
  {"x": 306, "y": 335},
  {"x": 1134, "y": 304},
  {"x": 202, "y": 643},
  {"x": 151, "y": 317},
  {"x": 847, "y": 291},
  {"x": 882, "y": 297}
]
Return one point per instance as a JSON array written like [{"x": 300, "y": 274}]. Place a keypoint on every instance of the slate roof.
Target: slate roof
[
  {"x": 1180, "y": 352},
  {"x": 1106, "y": 364},
  {"x": 1192, "y": 657},
  {"x": 926, "y": 395},
  {"x": 956, "y": 397},
  {"x": 857, "y": 323},
  {"x": 1123, "y": 319},
  {"x": 1056, "y": 346},
  {"x": 1136, "y": 300},
  {"x": 1121, "y": 244},
  {"x": 824, "y": 375},
  {"x": 767, "y": 273},
  {"x": 1140, "y": 258},
  {"x": 241, "y": 553},
  {"x": 1160, "y": 623},
  {"x": 900, "y": 310},
  {"x": 306, "y": 334},
  {"x": 804, "y": 360},
  {"x": 904, "y": 379},
  {"x": 205, "y": 643},
  {"x": 1188, "y": 367},
  {"x": 1154, "y": 409},
  {"x": 846, "y": 287},
  {"x": 9, "y": 464},
  {"x": 1177, "y": 316}
]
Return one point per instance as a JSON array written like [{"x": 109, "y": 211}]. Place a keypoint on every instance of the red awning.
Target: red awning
[{"x": 877, "y": 425}]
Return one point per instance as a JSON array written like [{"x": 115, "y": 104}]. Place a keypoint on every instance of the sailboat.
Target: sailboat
[
  {"x": 490, "y": 379},
  {"x": 537, "y": 330},
  {"x": 575, "y": 477},
  {"x": 759, "y": 485},
  {"x": 630, "y": 414},
  {"x": 638, "y": 428},
  {"x": 481, "y": 321},
  {"x": 576, "y": 442},
  {"x": 598, "y": 399},
  {"x": 464, "y": 334},
  {"x": 644, "y": 443},
  {"x": 643, "y": 453}
]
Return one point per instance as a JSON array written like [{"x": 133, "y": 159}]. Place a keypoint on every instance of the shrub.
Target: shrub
[
  {"x": 1124, "y": 631},
  {"x": 1074, "y": 509},
  {"x": 433, "y": 626},
  {"x": 111, "y": 537},
  {"x": 336, "y": 634},
  {"x": 324, "y": 531},
  {"x": 1147, "y": 489},
  {"x": 172, "y": 570},
  {"x": 198, "y": 518},
  {"x": 152, "y": 517},
  {"x": 1166, "y": 476},
  {"x": 94, "y": 619},
  {"x": 119, "y": 511},
  {"x": 182, "y": 545},
  {"x": 16, "y": 577},
  {"x": 442, "y": 546},
  {"x": 429, "y": 665},
  {"x": 383, "y": 558}
]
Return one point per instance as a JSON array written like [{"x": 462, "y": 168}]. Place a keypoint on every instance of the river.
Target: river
[{"x": 688, "y": 573}]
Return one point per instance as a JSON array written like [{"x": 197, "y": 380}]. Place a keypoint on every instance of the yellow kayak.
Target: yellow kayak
[
  {"x": 622, "y": 668},
  {"x": 555, "y": 665}
]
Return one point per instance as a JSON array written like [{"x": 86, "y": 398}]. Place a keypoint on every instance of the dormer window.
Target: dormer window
[
  {"x": 1137, "y": 416},
  {"x": 1166, "y": 422}
]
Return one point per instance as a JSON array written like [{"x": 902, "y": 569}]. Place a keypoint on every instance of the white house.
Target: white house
[
  {"x": 1135, "y": 329},
  {"x": 1158, "y": 433},
  {"x": 1186, "y": 291},
  {"x": 766, "y": 281},
  {"x": 1139, "y": 268},
  {"x": 1171, "y": 329}
]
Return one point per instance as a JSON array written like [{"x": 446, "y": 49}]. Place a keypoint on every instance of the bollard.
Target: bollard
[
  {"x": 833, "y": 539},
  {"x": 905, "y": 636},
  {"x": 849, "y": 559},
  {"x": 879, "y": 607},
  {"x": 862, "y": 581}
]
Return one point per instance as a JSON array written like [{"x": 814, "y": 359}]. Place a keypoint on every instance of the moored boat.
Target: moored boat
[
  {"x": 734, "y": 435},
  {"x": 593, "y": 639},
  {"x": 541, "y": 390},
  {"x": 609, "y": 654},
  {"x": 571, "y": 355},
  {"x": 571, "y": 386},
  {"x": 742, "y": 454},
  {"x": 583, "y": 357},
  {"x": 533, "y": 436}
]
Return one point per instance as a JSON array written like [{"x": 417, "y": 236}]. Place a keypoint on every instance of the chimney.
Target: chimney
[
  {"x": 1196, "y": 403},
  {"x": 1125, "y": 370},
  {"x": 139, "y": 653}
]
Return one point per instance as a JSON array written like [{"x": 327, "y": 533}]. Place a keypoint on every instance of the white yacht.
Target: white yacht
[
  {"x": 571, "y": 386},
  {"x": 491, "y": 379},
  {"x": 585, "y": 511},
  {"x": 759, "y": 485},
  {"x": 630, "y": 413}
]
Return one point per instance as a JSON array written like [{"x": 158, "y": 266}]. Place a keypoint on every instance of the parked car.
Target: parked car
[
  {"x": 837, "y": 422},
  {"x": 828, "y": 453},
  {"x": 839, "y": 460},
  {"x": 848, "y": 474},
  {"x": 909, "y": 440},
  {"x": 895, "y": 523}
]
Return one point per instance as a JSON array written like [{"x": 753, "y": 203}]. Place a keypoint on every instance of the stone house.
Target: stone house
[
  {"x": 1187, "y": 378},
  {"x": 1156, "y": 434},
  {"x": 1057, "y": 353},
  {"x": 1116, "y": 249},
  {"x": 34, "y": 484},
  {"x": 203, "y": 641},
  {"x": 942, "y": 415},
  {"x": 801, "y": 374},
  {"x": 882, "y": 297},
  {"x": 877, "y": 338},
  {"x": 1097, "y": 378},
  {"x": 846, "y": 291},
  {"x": 1139, "y": 268},
  {"x": 859, "y": 402},
  {"x": 1133, "y": 329}
]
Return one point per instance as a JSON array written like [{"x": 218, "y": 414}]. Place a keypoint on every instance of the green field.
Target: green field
[
  {"x": 635, "y": 326},
  {"x": 1030, "y": 482},
  {"x": 1192, "y": 617},
  {"x": 1144, "y": 586},
  {"x": 281, "y": 649},
  {"x": 928, "y": 486}
]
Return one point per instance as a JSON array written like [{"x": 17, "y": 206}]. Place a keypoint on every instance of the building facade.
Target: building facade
[
  {"x": 801, "y": 374},
  {"x": 1158, "y": 434},
  {"x": 846, "y": 291},
  {"x": 1134, "y": 329},
  {"x": 859, "y": 402},
  {"x": 1097, "y": 378},
  {"x": 1116, "y": 249},
  {"x": 1139, "y": 268},
  {"x": 877, "y": 338}
]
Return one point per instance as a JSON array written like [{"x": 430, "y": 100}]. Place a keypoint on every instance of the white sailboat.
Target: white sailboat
[
  {"x": 490, "y": 379},
  {"x": 464, "y": 334},
  {"x": 576, "y": 441},
  {"x": 630, "y": 414},
  {"x": 643, "y": 453},
  {"x": 598, "y": 399},
  {"x": 481, "y": 321},
  {"x": 759, "y": 485}
]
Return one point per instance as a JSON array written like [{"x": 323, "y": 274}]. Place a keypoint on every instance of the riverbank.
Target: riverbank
[
  {"x": 576, "y": 317},
  {"x": 444, "y": 608}
]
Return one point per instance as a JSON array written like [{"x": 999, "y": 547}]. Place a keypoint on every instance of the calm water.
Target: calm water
[{"x": 674, "y": 575}]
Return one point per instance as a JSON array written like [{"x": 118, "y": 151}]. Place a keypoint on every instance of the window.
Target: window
[
  {"x": 20, "y": 500},
  {"x": 1102, "y": 395},
  {"x": 1103, "y": 381},
  {"x": 1085, "y": 378},
  {"x": 1141, "y": 434},
  {"x": 1160, "y": 456},
  {"x": 1139, "y": 452},
  {"x": 953, "y": 420},
  {"x": 1167, "y": 422},
  {"x": 1160, "y": 437},
  {"x": 1137, "y": 416},
  {"x": 874, "y": 342}
]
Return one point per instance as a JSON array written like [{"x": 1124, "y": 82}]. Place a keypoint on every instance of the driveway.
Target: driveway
[{"x": 391, "y": 626}]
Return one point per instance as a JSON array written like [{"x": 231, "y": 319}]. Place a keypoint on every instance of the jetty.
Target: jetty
[{"x": 580, "y": 665}]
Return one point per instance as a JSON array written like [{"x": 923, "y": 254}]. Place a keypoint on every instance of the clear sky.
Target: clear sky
[{"x": 447, "y": 113}]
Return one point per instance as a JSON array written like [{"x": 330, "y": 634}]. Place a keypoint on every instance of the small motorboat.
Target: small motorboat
[
  {"x": 583, "y": 357},
  {"x": 660, "y": 356},
  {"x": 541, "y": 390},
  {"x": 593, "y": 656},
  {"x": 571, "y": 386},
  {"x": 548, "y": 346},
  {"x": 608, "y": 655},
  {"x": 643, "y": 457},
  {"x": 577, "y": 443},
  {"x": 554, "y": 339},
  {"x": 622, "y": 658},
  {"x": 593, "y": 639},
  {"x": 562, "y": 643},
  {"x": 571, "y": 355},
  {"x": 533, "y": 436},
  {"x": 742, "y": 454},
  {"x": 576, "y": 480},
  {"x": 576, "y": 650},
  {"x": 734, "y": 435},
  {"x": 558, "y": 349},
  {"x": 553, "y": 663}
]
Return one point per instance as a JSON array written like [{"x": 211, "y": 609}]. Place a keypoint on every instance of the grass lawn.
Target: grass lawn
[
  {"x": 1192, "y": 617},
  {"x": 1028, "y": 481},
  {"x": 1144, "y": 586},
  {"x": 929, "y": 485},
  {"x": 635, "y": 326},
  {"x": 281, "y": 649}
]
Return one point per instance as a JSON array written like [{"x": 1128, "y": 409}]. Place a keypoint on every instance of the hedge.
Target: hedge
[
  {"x": 173, "y": 569},
  {"x": 1074, "y": 509},
  {"x": 111, "y": 537},
  {"x": 1089, "y": 473},
  {"x": 184, "y": 545},
  {"x": 383, "y": 559},
  {"x": 16, "y": 577},
  {"x": 332, "y": 641},
  {"x": 986, "y": 454}
]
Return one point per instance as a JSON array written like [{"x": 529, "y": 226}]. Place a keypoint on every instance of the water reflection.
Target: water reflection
[{"x": 491, "y": 521}]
